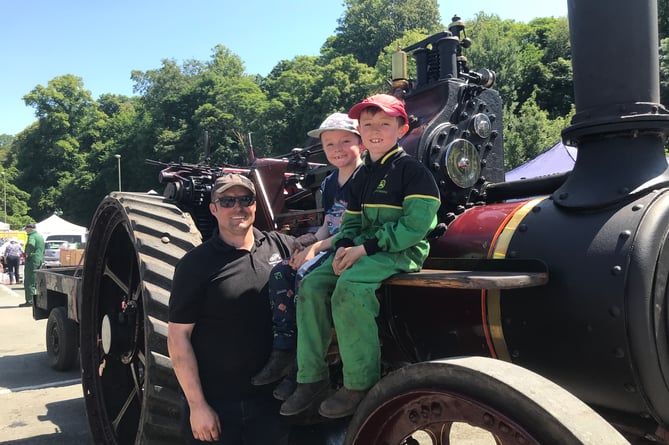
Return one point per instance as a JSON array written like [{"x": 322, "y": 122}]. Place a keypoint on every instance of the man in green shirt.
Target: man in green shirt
[{"x": 34, "y": 251}]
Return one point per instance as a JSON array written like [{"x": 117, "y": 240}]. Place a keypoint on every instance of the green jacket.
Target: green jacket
[
  {"x": 393, "y": 206},
  {"x": 34, "y": 250}
]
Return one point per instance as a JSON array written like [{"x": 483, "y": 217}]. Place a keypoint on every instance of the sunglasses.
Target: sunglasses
[{"x": 229, "y": 201}]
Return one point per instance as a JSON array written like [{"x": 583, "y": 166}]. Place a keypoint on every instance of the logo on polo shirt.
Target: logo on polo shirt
[{"x": 275, "y": 259}]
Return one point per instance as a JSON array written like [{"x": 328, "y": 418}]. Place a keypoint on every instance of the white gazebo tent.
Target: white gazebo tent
[{"x": 55, "y": 225}]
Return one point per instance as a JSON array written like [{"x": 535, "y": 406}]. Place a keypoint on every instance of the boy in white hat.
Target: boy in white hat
[{"x": 341, "y": 144}]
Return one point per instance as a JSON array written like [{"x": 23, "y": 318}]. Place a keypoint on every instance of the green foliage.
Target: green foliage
[
  {"x": 663, "y": 18},
  {"x": 66, "y": 161},
  {"x": 495, "y": 48},
  {"x": 305, "y": 90},
  {"x": 55, "y": 150},
  {"x": 368, "y": 26},
  {"x": 6, "y": 140},
  {"x": 384, "y": 62},
  {"x": 13, "y": 200},
  {"x": 529, "y": 132},
  {"x": 664, "y": 72}
]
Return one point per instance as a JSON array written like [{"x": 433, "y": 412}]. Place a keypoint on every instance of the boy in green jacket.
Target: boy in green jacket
[{"x": 392, "y": 208}]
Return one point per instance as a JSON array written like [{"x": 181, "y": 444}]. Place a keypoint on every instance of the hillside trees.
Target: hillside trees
[
  {"x": 663, "y": 18},
  {"x": 368, "y": 26},
  {"x": 52, "y": 155},
  {"x": 65, "y": 161},
  {"x": 664, "y": 71},
  {"x": 180, "y": 103},
  {"x": 305, "y": 90},
  {"x": 533, "y": 66}
]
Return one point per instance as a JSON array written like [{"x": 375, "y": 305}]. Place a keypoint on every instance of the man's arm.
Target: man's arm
[{"x": 204, "y": 421}]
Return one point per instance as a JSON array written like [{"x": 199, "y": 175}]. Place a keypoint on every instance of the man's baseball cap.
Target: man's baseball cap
[
  {"x": 31, "y": 226},
  {"x": 228, "y": 181},
  {"x": 335, "y": 121},
  {"x": 390, "y": 105}
]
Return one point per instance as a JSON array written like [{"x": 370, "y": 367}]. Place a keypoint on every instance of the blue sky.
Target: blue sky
[{"x": 102, "y": 42}]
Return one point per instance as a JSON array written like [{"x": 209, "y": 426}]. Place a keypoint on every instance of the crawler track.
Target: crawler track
[{"x": 130, "y": 389}]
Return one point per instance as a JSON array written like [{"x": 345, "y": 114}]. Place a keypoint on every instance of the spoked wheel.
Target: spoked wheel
[
  {"x": 474, "y": 400},
  {"x": 131, "y": 392}
]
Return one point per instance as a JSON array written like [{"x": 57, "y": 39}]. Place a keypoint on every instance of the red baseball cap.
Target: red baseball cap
[{"x": 390, "y": 105}]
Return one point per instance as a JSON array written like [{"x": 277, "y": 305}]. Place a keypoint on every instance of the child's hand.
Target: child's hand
[
  {"x": 298, "y": 258},
  {"x": 346, "y": 257}
]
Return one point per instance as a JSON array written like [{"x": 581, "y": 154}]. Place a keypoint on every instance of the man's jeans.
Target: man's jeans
[{"x": 251, "y": 422}]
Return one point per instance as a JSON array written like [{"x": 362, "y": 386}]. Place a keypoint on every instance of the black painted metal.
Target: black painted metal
[{"x": 620, "y": 126}]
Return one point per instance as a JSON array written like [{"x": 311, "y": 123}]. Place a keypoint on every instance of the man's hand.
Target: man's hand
[
  {"x": 346, "y": 257},
  {"x": 205, "y": 423}
]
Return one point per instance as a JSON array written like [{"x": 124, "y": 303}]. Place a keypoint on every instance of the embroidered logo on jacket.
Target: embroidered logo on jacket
[{"x": 380, "y": 188}]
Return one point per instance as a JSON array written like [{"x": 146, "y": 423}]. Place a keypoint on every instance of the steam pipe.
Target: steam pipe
[
  {"x": 523, "y": 188},
  {"x": 448, "y": 57}
]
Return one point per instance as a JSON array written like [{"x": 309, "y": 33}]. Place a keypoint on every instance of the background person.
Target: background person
[
  {"x": 34, "y": 251},
  {"x": 12, "y": 255}
]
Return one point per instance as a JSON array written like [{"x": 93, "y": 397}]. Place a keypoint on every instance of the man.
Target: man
[
  {"x": 220, "y": 331},
  {"x": 34, "y": 251}
]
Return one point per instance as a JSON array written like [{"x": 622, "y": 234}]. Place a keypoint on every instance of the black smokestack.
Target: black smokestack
[{"x": 619, "y": 127}]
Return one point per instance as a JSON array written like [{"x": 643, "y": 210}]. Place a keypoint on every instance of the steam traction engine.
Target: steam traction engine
[{"x": 541, "y": 311}]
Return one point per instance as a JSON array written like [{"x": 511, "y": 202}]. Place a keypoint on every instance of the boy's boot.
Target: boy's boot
[
  {"x": 278, "y": 366},
  {"x": 286, "y": 388},
  {"x": 343, "y": 403},
  {"x": 288, "y": 385},
  {"x": 307, "y": 395}
]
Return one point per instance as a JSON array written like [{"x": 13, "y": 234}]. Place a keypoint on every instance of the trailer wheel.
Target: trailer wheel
[
  {"x": 497, "y": 402},
  {"x": 62, "y": 342},
  {"x": 130, "y": 389}
]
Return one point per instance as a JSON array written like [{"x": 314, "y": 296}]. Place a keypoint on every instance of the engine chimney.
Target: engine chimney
[{"x": 619, "y": 127}]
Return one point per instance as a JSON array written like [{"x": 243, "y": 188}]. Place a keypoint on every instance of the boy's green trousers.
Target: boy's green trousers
[{"x": 350, "y": 305}]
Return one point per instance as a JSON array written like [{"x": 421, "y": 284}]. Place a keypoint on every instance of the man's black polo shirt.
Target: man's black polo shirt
[{"x": 223, "y": 291}]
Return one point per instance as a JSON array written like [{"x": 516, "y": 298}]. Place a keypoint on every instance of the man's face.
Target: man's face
[{"x": 237, "y": 220}]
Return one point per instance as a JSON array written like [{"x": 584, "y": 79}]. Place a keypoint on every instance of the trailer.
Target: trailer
[{"x": 58, "y": 291}]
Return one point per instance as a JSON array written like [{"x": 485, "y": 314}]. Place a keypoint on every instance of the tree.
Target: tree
[
  {"x": 494, "y": 47},
  {"x": 55, "y": 150},
  {"x": 663, "y": 18},
  {"x": 180, "y": 103},
  {"x": 384, "y": 62},
  {"x": 529, "y": 132},
  {"x": 6, "y": 140},
  {"x": 664, "y": 72},
  {"x": 305, "y": 90},
  {"x": 555, "y": 87},
  {"x": 368, "y": 26},
  {"x": 290, "y": 88}
]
